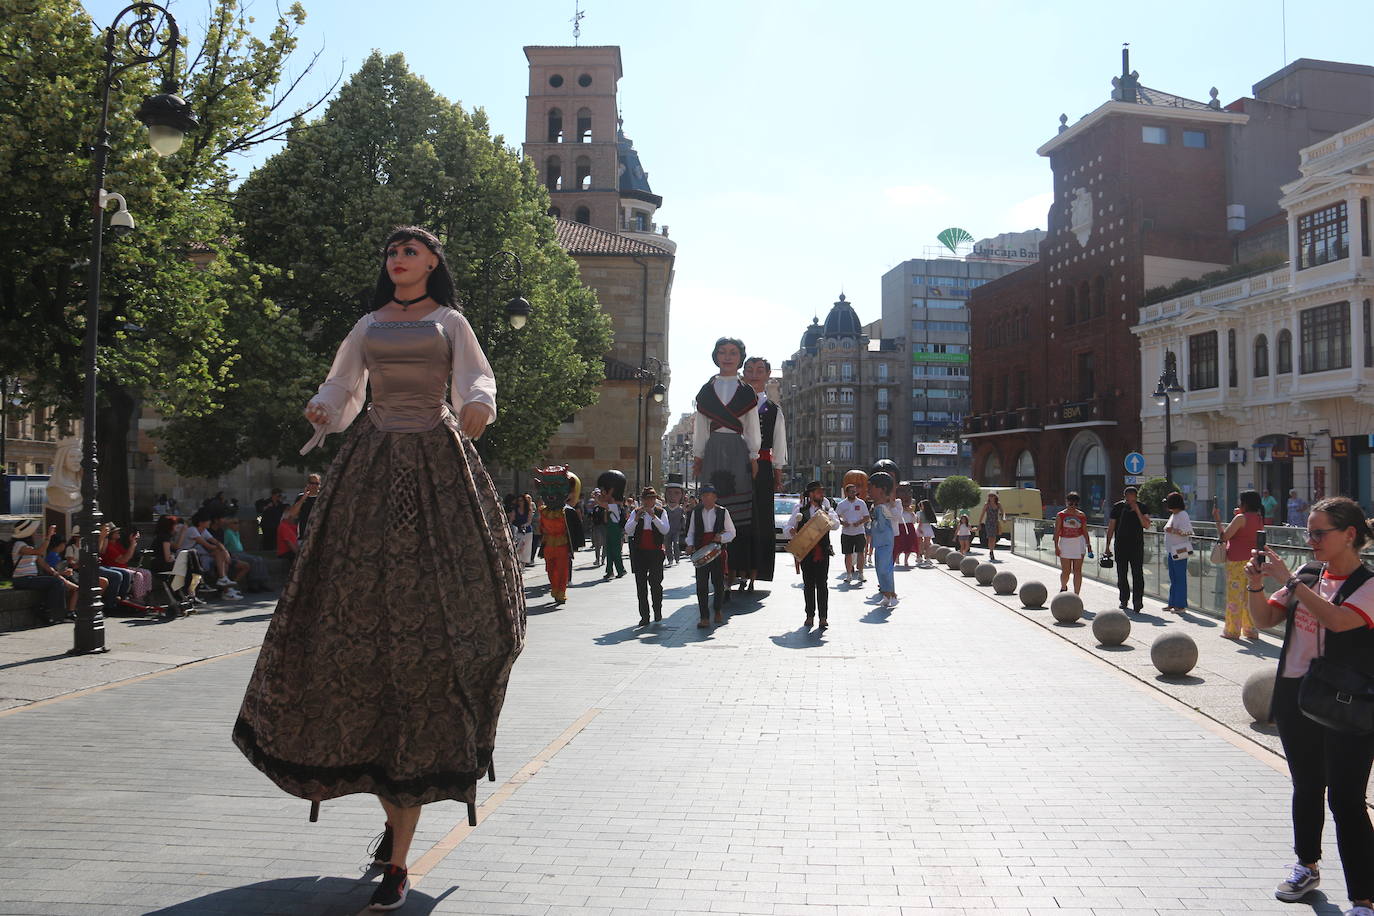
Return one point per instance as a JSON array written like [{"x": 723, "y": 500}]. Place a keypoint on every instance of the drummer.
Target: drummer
[
  {"x": 815, "y": 567},
  {"x": 707, "y": 524}
]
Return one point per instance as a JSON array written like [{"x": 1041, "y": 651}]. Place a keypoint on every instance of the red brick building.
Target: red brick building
[
  {"x": 1149, "y": 188},
  {"x": 1139, "y": 202}
]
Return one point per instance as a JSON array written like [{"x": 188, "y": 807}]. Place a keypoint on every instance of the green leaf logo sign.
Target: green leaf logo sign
[{"x": 953, "y": 237}]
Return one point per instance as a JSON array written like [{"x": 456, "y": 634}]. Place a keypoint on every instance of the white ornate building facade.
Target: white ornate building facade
[{"x": 1278, "y": 368}]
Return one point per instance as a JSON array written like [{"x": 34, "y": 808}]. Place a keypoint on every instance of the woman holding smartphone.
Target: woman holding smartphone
[{"x": 1329, "y": 608}]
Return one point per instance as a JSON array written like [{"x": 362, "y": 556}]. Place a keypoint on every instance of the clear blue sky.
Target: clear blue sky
[{"x": 801, "y": 147}]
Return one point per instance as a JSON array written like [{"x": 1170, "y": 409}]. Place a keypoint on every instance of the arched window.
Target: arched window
[
  {"x": 1261, "y": 356},
  {"x": 553, "y": 174},
  {"x": 584, "y": 125},
  {"x": 555, "y": 125},
  {"x": 1283, "y": 360},
  {"x": 584, "y": 173},
  {"x": 1070, "y": 306},
  {"x": 555, "y": 213},
  {"x": 1084, "y": 302},
  {"x": 992, "y": 471},
  {"x": 1099, "y": 296},
  {"x": 1025, "y": 470},
  {"x": 583, "y": 215}
]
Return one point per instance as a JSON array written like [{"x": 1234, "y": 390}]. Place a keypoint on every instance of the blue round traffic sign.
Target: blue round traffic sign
[{"x": 1135, "y": 463}]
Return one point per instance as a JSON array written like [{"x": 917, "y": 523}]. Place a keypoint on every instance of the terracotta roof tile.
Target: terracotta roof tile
[{"x": 579, "y": 238}]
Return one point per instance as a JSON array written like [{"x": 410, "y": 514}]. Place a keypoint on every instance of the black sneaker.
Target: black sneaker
[
  {"x": 392, "y": 893},
  {"x": 381, "y": 848},
  {"x": 1302, "y": 880}
]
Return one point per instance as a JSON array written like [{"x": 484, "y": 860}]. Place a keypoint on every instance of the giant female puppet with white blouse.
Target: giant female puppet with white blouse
[
  {"x": 725, "y": 445},
  {"x": 385, "y": 667}
]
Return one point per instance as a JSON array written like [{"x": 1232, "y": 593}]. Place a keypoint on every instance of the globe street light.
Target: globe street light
[
  {"x": 1167, "y": 393},
  {"x": 507, "y": 266},
  {"x": 137, "y": 34}
]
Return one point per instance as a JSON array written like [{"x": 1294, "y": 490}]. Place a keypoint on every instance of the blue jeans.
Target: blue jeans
[
  {"x": 1178, "y": 582},
  {"x": 121, "y": 581},
  {"x": 882, "y": 566}
]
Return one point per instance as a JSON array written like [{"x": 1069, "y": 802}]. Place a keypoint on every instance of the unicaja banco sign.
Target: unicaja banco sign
[
  {"x": 939, "y": 357},
  {"x": 987, "y": 252}
]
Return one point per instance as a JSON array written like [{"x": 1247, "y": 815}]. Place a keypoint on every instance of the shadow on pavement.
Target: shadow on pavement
[
  {"x": 876, "y": 615},
  {"x": 34, "y": 661},
  {"x": 800, "y": 638},
  {"x": 1191, "y": 680},
  {"x": 311, "y": 894},
  {"x": 255, "y": 618}
]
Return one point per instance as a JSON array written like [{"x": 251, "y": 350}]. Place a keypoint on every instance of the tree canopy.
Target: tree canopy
[
  {"x": 390, "y": 151},
  {"x": 163, "y": 332}
]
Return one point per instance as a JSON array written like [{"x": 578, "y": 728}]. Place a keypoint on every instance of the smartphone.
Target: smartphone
[{"x": 1259, "y": 546}]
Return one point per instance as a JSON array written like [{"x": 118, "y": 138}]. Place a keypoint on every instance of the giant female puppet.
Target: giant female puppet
[
  {"x": 772, "y": 459},
  {"x": 725, "y": 443}
]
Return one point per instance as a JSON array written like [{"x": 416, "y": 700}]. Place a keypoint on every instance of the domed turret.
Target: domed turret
[
  {"x": 842, "y": 321},
  {"x": 811, "y": 335}
]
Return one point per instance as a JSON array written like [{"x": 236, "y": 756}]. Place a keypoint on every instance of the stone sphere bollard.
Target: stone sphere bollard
[
  {"x": 1033, "y": 594},
  {"x": 1258, "y": 694},
  {"x": 1067, "y": 607},
  {"x": 1004, "y": 583},
  {"x": 967, "y": 566},
  {"x": 985, "y": 573},
  {"x": 953, "y": 559},
  {"x": 1111, "y": 627},
  {"x": 1174, "y": 654},
  {"x": 941, "y": 551},
  {"x": 931, "y": 549}
]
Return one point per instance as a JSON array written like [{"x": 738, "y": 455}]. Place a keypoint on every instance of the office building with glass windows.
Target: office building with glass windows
[{"x": 924, "y": 305}]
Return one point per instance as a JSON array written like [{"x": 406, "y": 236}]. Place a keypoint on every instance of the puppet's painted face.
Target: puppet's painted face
[{"x": 555, "y": 483}]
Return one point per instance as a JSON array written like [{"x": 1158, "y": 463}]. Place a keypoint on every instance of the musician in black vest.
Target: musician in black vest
[
  {"x": 815, "y": 567},
  {"x": 768, "y": 480},
  {"x": 646, "y": 529},
  {"x": 725, "y": 442},
  {"x": 706, "y": 524}
]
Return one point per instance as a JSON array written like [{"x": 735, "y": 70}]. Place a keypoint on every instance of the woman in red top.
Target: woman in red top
[
  {"x": 1071, "y": 543},
  {"x": 1239, "y": 538},
  {"x": 120, "y": 548}
]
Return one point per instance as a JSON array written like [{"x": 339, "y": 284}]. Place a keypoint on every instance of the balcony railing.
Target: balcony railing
[{"x": 995, "y": 421}]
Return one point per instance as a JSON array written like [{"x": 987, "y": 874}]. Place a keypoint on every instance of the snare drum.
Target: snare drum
[{"x": 706, "y": 553}]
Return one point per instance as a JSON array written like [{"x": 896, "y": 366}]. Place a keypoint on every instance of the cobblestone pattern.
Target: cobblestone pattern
[{"x": 946, "y": 757}]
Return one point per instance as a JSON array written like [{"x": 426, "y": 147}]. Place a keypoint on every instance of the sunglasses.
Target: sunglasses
[{"x": 1315, "y": 535}]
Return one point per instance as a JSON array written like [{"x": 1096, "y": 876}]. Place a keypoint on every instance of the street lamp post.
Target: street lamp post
[
  {"x": 657, "y": 393},
  {"x": 11, "y": 394},
  {"x": 167, "y": 117},
  {"x": 1166, "y": 394}
]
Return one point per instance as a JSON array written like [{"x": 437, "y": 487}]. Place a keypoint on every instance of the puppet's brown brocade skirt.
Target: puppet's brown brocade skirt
[{"x": 386, "y": 662}]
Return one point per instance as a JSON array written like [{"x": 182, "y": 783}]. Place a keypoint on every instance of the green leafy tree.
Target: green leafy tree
[
  {"x": 1152, "y": 492},
  {"x": 390, "y": 151},
  {"x": 166, "y": 288},
  {"x": 958, "y": 493}
]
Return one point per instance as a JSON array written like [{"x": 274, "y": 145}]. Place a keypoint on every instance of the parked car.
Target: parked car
[{"x": 784, "y": 504}]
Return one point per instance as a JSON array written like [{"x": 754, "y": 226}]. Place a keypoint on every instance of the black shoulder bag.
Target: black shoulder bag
[{"x": 1335, "y": 691}]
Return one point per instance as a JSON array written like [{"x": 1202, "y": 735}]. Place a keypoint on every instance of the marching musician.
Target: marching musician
[
  {"x": 815, "y": 567},
  {"x": 647, "y": 527},
  {"x": 709, "y": 523}
]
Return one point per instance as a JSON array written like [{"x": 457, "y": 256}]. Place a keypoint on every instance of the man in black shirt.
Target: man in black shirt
[{"x": 1127, "y": 524}]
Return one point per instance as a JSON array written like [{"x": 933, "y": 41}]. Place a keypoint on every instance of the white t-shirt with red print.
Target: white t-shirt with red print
[{"x": 1309, "y": 636}]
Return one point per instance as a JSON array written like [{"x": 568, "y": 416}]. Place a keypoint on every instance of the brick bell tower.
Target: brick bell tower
[{"x": 571, "y": 123}]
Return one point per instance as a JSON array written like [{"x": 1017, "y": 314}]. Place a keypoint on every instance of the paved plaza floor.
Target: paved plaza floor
[{"x": 955, "y": 755}]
